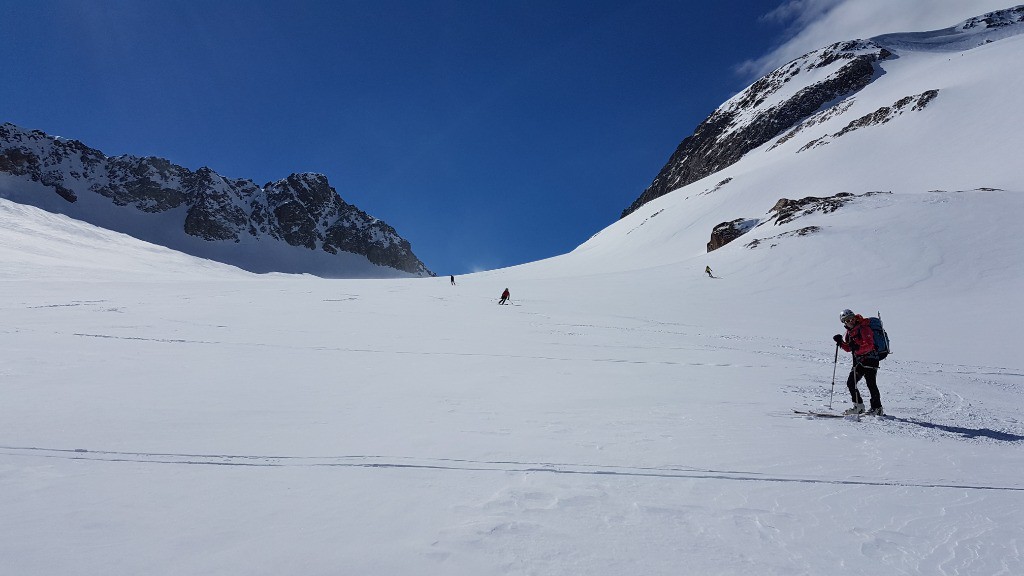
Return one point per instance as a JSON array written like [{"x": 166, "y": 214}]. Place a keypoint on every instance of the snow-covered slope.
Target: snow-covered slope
[
  {"x": 938, "y": 241},
  {"x": 930, "y": 110},
  {"x": 604, "y": 423},
  {"x": 40, "y": 245},
  {"x": 625, "y": 415}
]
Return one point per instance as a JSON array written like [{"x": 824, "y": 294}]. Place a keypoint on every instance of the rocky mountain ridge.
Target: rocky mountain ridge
[
  {"x": 300, "y": 212},
  {"x": 765, "y": 109},
  {"x": 817, "y": 87}
]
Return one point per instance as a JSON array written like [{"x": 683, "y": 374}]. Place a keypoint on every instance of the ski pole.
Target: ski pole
[{"x": 834, "y": 364}]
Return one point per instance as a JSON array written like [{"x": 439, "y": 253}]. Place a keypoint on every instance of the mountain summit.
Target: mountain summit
[{"x": 299, "y": 224}]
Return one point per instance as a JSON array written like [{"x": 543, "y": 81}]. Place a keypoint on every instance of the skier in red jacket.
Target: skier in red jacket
[
  {"x": 861, "y": 341},
  {"x": 504, "y": 296}
]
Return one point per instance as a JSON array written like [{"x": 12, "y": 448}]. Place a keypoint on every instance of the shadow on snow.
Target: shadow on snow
[{"x": 965, "y": 432}]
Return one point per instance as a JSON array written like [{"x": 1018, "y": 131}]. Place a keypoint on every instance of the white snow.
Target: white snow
[{"x": 165, "y": 415}]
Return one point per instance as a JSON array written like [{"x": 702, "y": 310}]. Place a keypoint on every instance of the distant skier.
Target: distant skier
[
  {"x": 708, "y": 270},
  {"x": 453, "y": 280},
  {"x": 504, "y": 296},
  {"x": 861, "y": 341}
]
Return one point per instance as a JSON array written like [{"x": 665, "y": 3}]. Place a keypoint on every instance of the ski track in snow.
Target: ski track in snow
[
  {"x": 416, "y": 352},
  {"x": 928, "y": 409},
  {"x": 453, "y": 464},
  {"x": 526, "y": 513}
]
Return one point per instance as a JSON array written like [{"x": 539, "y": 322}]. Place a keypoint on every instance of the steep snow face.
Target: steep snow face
[
  {"x": 299, "y": 224},
  {"x": 828, "y": 84}
]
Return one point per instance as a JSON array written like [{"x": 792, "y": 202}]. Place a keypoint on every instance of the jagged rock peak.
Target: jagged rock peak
[{"x": 301, "y": 211}]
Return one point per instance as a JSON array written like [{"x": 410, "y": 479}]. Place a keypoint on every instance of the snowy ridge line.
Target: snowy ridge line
[{"x": 464, "y": 465}]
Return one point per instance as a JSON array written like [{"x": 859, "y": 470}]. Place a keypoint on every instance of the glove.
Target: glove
[{"x": 838, "y": 339}]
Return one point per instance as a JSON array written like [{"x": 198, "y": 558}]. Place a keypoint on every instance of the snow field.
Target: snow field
[{"x": 280, "y": 425}]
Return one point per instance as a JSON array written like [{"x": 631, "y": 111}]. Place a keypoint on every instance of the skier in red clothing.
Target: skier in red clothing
[
  {"x": 504, "y": 296},
  {"x": 860, "y": 340}
]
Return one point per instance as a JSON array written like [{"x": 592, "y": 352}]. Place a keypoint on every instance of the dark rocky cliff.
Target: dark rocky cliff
[
  {"x": 301, "y": 211},
  {"x": 773, "y": 104}
]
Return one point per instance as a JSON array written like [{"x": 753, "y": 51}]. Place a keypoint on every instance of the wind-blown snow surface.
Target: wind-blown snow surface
[{"x": 163, "y": 415}]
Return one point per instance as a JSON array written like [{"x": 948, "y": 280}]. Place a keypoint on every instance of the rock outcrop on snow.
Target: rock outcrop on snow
[
  {"x": 300, "y": 212},
  {"x": 880, "y": 116},
  {"x": 784, "y": 211},
  {"x": 728, "y": 231}
]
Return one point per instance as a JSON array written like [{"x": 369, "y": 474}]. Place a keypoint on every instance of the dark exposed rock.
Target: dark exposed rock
[
  {"x": 746, "y": 121},
  {"x": 786, "y": 210},
  {"x": 997, "y": 19},
  {"x": 717, "y": 187},
  {"x": 886, "y": 113},
  {"x": 299, "y": 203},
  {"x": 818, "y": 118},
  {"x": 801, "y": 232},
  {"x": 373, "y": 234},
  {"x": 302, "y": 210},
  {"x": 728, "y": 231},
  {"x": 20, "y": 162},
  {"x": 65, "y": 193},
  {"x": 15, "y": 161},
  {"x": 646, "y": 220},
  {"x": 216, "y": 211}
]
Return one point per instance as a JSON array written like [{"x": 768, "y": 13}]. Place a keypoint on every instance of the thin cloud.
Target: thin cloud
[
  {"x": 812, "y": 24},
  {"x": 799, "y": 12}
]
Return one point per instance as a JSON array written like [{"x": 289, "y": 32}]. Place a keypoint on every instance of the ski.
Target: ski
[
  {"x": 834, "y": 415},
  {"x": 820, "y": 414}
]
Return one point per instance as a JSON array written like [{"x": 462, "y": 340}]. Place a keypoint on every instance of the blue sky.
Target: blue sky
[{"x": 487, "y": 133}]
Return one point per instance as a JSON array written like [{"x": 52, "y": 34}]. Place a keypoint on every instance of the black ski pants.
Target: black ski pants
[{"x": 868, "y": 369}]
